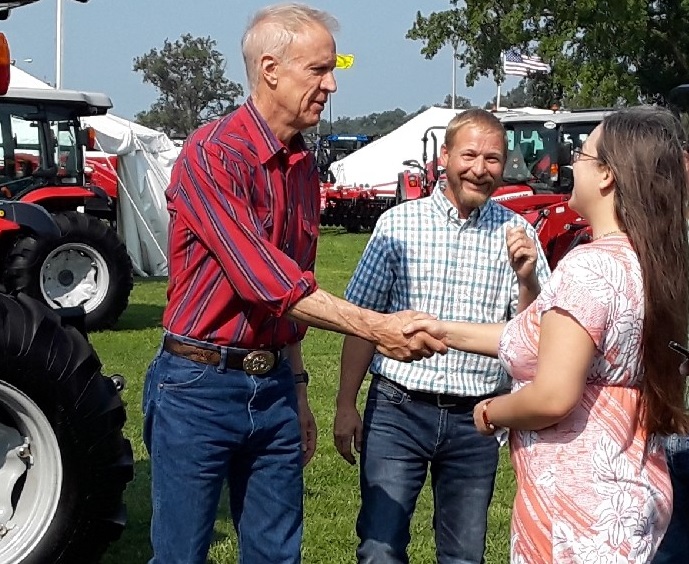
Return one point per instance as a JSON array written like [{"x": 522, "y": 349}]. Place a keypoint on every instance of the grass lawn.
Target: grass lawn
[{"x": 331, "y": 484}]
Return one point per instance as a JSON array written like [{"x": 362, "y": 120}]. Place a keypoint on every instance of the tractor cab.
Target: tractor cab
[
  {"x": 334, "y": 147},
  {"x": 539, "y": 148},
  {"x": 42, "y": 141}
]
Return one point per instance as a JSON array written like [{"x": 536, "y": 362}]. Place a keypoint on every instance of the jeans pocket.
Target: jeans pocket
[
  {"x": 182, "y": 373},
  {"x": 386, "y": 392}
]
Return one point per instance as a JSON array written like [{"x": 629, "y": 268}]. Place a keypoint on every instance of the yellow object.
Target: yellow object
[{"x": 344, "y": 61}]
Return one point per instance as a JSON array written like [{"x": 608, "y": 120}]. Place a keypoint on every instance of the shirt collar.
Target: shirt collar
[
  {"x": 443, "y": 206},
  {"x": 266, "y": 143}
]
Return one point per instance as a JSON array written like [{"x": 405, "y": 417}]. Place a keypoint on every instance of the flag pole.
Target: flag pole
[
  {"x": 497, "y": 97},
  {"x": 454, "y": 74}
]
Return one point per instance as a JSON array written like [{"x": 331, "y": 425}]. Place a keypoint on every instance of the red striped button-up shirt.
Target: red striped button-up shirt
[{"x": 244, "y": 214}]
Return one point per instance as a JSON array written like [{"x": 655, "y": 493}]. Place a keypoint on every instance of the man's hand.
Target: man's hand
[
  {"x": 347, "y": 429},
  {"x": 392, "y": 342},
  {"x": 309, "y": 432},
  {"x": 523, "y": 255}
]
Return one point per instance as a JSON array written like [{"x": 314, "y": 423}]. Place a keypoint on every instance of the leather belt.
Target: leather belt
[
  {"x": 255, "y": 362},
  {"x": 443, "y": 401}
]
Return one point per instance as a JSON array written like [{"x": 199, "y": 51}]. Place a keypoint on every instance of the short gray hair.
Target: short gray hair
[{"x": 273, "y": 29}]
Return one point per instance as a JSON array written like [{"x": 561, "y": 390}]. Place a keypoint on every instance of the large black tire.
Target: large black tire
[
  {"x": 67, "y": 504},
  {"x": 86, "y": 266}
]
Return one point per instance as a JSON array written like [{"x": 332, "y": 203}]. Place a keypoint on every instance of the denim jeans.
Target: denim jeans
[
  {"x": 674, "y": 549},
  {"x": 402, "y": 438},
  {"x": 207, "y": 424}
]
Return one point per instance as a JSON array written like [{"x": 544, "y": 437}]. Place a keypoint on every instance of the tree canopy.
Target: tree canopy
[
  {"x": 602, "y": 53},
  {"x": 189, "y": 75}
]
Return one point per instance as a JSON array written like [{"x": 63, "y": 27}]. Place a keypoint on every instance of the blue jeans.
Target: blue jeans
[
  {"x": 207, "y": 424},
  {"x": 401, "y": 439},
  {"x": 675, "y": 545}
]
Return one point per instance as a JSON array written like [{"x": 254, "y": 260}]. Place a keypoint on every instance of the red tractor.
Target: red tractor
[{"x": 42, "y": 162}]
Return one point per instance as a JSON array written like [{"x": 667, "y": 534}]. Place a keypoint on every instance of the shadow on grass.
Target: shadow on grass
[{"x": 140, "y": 316}]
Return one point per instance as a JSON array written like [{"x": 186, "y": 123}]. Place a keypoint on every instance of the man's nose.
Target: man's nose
[
  {"x": 329, "y": 84},
  {"x": 479, "y": 165}
]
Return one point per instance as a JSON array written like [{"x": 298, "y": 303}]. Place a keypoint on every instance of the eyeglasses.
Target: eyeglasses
[{"x": 578, "y": 154}]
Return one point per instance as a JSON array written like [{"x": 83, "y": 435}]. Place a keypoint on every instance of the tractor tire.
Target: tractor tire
[
  {"x": 86, "y": 266},
  {"x": 353, "y": 225},
  {"x": 64, "y": 461}
]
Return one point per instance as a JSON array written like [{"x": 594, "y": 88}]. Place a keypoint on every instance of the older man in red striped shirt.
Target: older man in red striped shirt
[{"x": 225, "y": 398}]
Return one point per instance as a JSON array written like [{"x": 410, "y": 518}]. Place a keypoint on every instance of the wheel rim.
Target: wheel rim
[
  {"x": 73, "y": 275},
  {"x": 29, "y": 517}
]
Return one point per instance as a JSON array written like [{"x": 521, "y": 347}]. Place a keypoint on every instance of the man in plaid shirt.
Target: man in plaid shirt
[{"x": 459, "y": 256}]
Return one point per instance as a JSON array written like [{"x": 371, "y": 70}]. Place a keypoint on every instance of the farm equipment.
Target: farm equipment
[
  {"x": 349, "y": 206},
  {"x": 42, "y": 142},
  {"x": 333, "y": 147},
  {"x": 64, "y": 462}
]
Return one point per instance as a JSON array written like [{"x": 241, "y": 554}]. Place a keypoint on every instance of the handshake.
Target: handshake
[{"x": 410, "y": 335}]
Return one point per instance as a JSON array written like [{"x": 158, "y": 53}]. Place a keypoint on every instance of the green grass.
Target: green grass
[{"x": 331, "y": 499}]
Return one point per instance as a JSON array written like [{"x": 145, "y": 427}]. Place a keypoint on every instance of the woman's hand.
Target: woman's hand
[{"x": 435, "y": 328}]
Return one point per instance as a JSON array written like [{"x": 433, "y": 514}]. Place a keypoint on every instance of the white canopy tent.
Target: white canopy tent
[
  {"x": 380, "y": 162},
  {"x": 145, "y": 159}
]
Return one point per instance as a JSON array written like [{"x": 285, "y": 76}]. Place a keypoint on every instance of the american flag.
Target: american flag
[{"x": 516, "y": 64}]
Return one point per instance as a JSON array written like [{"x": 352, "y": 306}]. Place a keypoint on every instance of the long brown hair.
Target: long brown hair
[{"x": 643, "y": 148}]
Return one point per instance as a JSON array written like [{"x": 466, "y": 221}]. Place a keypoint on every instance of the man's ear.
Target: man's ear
[
  {"x": 443, "y": 155},
  {"x": 269, "y": 67}
]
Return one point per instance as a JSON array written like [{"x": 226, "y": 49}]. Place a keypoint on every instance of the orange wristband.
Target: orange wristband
[{"x": 486, "y": 421}]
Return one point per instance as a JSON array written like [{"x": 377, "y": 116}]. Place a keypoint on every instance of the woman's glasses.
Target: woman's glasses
[{"x": 578, "y": 154}]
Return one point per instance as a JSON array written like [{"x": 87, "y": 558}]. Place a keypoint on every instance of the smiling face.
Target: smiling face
[
  {"x": 473, "y": 164},
  {"x": 304, "y": 77}
]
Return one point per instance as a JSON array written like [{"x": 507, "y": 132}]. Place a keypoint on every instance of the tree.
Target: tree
[
  {"x": 536, "y": 91},
  {"x": 373, "y": 124},
  {"x": 190, "y": 77},
  {"x": 601, "y": 53},
  {"x": 461, "y": 103}
]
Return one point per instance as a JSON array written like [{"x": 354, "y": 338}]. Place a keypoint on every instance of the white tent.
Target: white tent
[
  {"x": 145, "y": 159},
  {"x": 144, "y": 163},
  {"x": 380, "y": 162}
]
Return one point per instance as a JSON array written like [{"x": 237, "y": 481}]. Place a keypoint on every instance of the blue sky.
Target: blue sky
[{"x": 102, "y": 38}]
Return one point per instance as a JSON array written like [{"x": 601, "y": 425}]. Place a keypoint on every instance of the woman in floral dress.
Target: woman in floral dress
[{"x": 593, "y": 379}]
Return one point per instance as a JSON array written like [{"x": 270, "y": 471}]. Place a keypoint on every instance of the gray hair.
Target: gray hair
[{"x": 273, "y": 29}]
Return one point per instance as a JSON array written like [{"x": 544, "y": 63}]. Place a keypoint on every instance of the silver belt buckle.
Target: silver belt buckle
[{"x": 258, "y": 363}]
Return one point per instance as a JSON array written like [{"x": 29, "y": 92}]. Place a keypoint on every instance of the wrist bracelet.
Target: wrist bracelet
[
  {"x": 484, "y": 414},
  {"x": 301, "y": 378}
]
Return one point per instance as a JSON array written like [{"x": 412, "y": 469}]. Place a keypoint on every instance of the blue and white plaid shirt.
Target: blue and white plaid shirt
[{"x": 422, "y": 256}]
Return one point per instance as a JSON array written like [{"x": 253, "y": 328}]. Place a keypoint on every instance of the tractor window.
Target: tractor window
[
  {"x": 531, "y": 149},
  {"x": 25, "y": 145},
  {"x": 64, "y": 143},
  {"x": 576, "y": 133}
]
